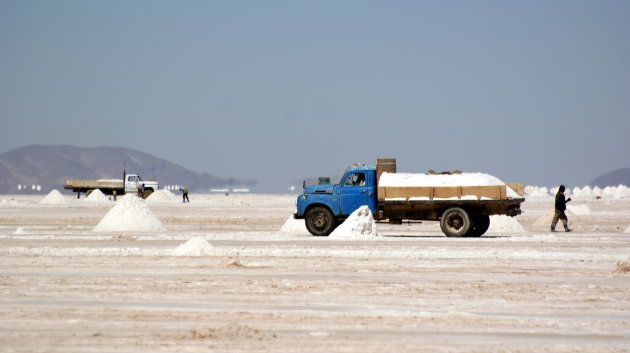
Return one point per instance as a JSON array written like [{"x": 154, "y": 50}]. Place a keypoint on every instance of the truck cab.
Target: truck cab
[
  {"x": 133, "y": 183},
  {"x": 325, "y": 206}
]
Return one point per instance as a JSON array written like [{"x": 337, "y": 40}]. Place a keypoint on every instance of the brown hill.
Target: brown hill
[
  {"x": 614, "y": 178},
  {"x": 51, "y": 166}
]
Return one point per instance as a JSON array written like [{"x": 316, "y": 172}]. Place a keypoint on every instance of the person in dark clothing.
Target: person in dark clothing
[
  {"x": 560, "y": 207},
  {"x": 184, "y": 194}
]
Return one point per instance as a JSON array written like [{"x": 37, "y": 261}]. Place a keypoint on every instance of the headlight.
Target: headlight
[{"x": 303, "y": 197}]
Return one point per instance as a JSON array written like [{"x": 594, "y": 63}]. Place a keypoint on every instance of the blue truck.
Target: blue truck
[{"x": 463, "y": 211}]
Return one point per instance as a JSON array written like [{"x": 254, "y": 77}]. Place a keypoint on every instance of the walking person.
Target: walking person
[
  {"x": 560, "y": 207},
  {"x": 184, "y": 194}
]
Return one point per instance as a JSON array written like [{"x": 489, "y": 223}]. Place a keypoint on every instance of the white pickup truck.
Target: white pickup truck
[{"x": 129, "y": 183}]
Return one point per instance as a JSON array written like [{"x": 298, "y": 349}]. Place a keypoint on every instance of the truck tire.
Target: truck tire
[
  {"x": 455, "y": 222},
  {"x": 146, "y": 193},
  {"x": 319, "y": 221},
  {"x": 480, "y": 225}
]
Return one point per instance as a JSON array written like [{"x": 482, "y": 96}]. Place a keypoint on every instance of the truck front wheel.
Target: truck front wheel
[
  {"x": 455, "y": 222},
  {"x": 319, "y": 221}
]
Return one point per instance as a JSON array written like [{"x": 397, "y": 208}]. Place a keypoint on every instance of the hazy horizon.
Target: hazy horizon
[{"x": 277, "y": 91}]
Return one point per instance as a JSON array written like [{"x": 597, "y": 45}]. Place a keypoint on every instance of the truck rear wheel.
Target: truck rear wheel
[
  {"x": 147, "y": 193},
  {"x": 319, "y": 221},
  {"x": 455, "y": 222},
  {"x": 480, "y": 225}
]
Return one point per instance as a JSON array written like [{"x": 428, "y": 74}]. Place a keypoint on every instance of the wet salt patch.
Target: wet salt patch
[
  {"x": 294, "y": 226},
  {"x": 580, "y": 210},
  {"x": 505, "y": 224},
  {"x": 162, "y": 196},
  {"x": 53, "y": 198},
  {"x": 197, "y": 246},
  {"x": 130, "y": 214},
  {"x": 11, "y": 203},
  {"x": 360, "y": 225},
  {"x": 545, "y": 220},
  {"x": 96, "y": 196}
]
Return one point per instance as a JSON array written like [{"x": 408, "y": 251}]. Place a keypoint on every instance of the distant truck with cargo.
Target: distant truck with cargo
[
  {"x": 130, "y": 183},
  {"x": 461, "y": 202}
]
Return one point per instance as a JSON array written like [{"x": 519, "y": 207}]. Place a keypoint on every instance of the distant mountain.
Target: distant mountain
[
  {"x": 614, "y": 178},
  {"x": 51, "y": 166}
]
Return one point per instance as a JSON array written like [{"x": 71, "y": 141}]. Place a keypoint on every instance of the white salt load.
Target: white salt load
[
  {"x": 53, "y": 198},
  {"x": 463, "y": 179},
  {"x": 131, "y": 214},
  {"x": 162, "y": 196},
  {"x": 505, "y": 224},
  {"x": 294, "y": 226},
  {"x": 197, "y": 246},
  {"x": 360, "y": 225},
  {"x": 96, "y": 196}
]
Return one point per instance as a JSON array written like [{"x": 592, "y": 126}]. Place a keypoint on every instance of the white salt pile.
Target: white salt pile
[
  {"x": 586, "y": 192},
  {"x": 505, "y": 224},
  {"x": 627, "y": 230},
  {"x": 96, "y": 196},
  {"x": 130, "y": 214},
  {"x": 197, "y": 246},
  {"x": 162, "y": 196},
  {"x": 360, "y": 225},
  {"x": 53, "y": 198},
  {"x": 463, "y": 179},
  {"x": 11, "y": 203},
  {"x": 536, "y": 191},
  {"x": 294, "y": 226},
  {"x": 580, "y": 210},
  {"x": 19, "y": 231}
]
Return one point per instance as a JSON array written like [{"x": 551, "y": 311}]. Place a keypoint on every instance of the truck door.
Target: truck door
[
  {"x": 131, "y": 184},
  {"x": 357, "y": 189}
]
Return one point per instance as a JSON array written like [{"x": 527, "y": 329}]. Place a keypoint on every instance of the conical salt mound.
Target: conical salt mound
[
  {"x": 294, "y": 227},
  {"x": 53, "y": 198},
  {"x": 162, "y": 196},
  {"x": 131, "y": 214},
  {"x": 96, "y": 196},
  {"x": 505, "y": 224},
  {"x": 197, "y": 246},
  {"x": 360, "y": 225}
]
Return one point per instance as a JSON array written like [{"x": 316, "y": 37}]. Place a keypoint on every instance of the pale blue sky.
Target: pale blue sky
[{"x": 530, "y": 91}]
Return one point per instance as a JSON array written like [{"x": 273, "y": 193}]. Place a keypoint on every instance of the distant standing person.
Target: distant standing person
[
  {"x": 560, "y": 207},
  {"x": 184, "y": 194}
]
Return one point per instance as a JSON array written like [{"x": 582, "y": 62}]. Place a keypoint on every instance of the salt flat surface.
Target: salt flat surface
[{"x": 222, "y": 276}]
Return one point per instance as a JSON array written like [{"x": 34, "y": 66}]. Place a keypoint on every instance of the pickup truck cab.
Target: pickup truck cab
[{"x": 133, "y": 182}]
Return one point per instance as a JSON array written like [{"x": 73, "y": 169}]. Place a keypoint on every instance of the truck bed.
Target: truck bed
[
  {"x": 93, "y": 184},
  {"x": 433, "y": 209}
]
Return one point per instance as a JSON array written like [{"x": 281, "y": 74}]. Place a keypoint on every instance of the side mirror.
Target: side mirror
[{"x": 303, "y": 184}]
